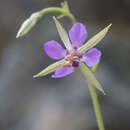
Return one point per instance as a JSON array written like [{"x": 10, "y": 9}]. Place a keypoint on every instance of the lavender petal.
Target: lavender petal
[
  {"x": 63, "y": 71},
  {"x": 54, "y": 50},
  {"x": 92, "y": 57},
  {"x": 78, "y": 34}
]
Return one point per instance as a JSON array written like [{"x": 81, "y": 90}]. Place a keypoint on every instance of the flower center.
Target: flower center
[{"x": 73, "y": 58}]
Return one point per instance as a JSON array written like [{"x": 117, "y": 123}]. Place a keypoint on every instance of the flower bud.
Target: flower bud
[{"x": 28, "y": 24}]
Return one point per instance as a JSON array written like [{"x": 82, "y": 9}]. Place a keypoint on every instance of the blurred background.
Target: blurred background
[{"x": 63, "y": 104}]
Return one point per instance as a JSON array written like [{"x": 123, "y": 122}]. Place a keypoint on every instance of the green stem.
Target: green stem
[
  {"x": 94, "y": 99},
  {"x": 96, "y": 103},
  {"x": 96, "y": 107},
  {"x": 51, "y": 10},
  {"x": 57, "y": 10},
  {"x": 72, "y": 18}
]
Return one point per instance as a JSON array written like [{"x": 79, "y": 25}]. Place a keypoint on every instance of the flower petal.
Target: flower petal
[
  {"x": 54, "y": 50},
  {"x": 92, "y": 57},
  {"x": 63, "y": 71},
  {"x": 78, "y": 34}
]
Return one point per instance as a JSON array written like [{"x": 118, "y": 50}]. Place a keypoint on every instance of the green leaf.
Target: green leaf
[
  {"x": 50, "y": 68},
  {"x": 94, "y": 40},
  {"x": 63, "y": 35},
  {"x": 90, "y": 77}
]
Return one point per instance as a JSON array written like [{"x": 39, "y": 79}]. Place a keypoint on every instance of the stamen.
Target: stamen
[
  {"x": 73, "y": 58},
  {"x": 67, "y": 65}
]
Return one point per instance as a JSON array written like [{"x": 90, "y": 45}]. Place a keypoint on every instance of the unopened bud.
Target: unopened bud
[{"x": 28, "y": 24}]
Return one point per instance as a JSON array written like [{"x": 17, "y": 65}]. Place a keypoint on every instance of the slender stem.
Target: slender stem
[
  {"x": 96, "y": 107},
  {"x": 72, "y": 18},
  {"x": 96, "y": 103},
  {"x": 53, "y": 10},
  {"x": 57, "y": 10},
  {"x": 94, "y": 98}
]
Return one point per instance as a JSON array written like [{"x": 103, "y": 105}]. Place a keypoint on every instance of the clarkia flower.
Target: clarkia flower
[
  {"x": 76, "y": 54},
  {"x": 77, "y": 35}
]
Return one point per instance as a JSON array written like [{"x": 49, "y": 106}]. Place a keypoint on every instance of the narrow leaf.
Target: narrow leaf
[
  {"x": 90, "y": 77},
  {"x": 50, "y": 68},
  {"x": 94, "y": 40},
  {"x": 63, "y": 34}
]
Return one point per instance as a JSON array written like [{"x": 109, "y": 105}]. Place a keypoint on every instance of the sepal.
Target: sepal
[
  {"x": 51, "y": 68},
  {"x": 94, "y": 40},
  {"x": 63, "y": 35},
  {"x": 90, "y": 77}
]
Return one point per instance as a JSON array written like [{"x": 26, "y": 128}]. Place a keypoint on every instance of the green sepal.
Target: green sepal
[
  {"x": 90, "y": 77},
  {"x": 94, "y": 40},
  {"x": 51, "y": 68},
  {"x": 63, "y": 35}
]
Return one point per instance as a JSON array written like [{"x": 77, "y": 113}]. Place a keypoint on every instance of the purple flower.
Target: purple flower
[{"x": 77, "y": 35}]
